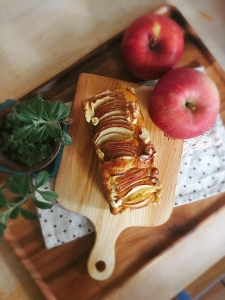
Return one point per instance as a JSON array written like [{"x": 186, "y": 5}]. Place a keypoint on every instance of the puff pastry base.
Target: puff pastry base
[{"x": 124, "y": 150}]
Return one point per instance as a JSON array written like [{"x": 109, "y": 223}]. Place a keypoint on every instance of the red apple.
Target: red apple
[
  {"x": 152, "y": 45},
  {"x": 185, "y": 103}
]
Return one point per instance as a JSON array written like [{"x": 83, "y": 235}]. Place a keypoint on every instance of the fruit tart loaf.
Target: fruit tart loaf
[{"x": 123, "y": 146}]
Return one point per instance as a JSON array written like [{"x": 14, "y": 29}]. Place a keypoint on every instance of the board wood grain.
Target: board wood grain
[
  {"x": 78, "y": 182},
  {"x": 153, "y": 278}
]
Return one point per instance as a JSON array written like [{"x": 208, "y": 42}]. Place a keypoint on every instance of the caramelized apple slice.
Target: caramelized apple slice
[
  {"x": 114, "y": 149},
  {"x": 113, "y": 133}
]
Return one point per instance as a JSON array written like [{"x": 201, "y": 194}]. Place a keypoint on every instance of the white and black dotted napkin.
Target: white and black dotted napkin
[
  {"x": 59, "y": 225},
  {"x": 202, "y": 168}
]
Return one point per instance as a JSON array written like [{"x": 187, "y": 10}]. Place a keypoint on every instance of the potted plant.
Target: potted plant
[
  {"x": 30, "y": 138},
  {"x": 31, "y": 133}
]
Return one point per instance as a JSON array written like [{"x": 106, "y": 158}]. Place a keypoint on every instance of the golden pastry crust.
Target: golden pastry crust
[{"x": 123, "y": 146}]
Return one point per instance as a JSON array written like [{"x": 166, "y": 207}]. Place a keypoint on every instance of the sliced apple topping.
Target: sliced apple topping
[
  {"x": 119, "y": 113},
  {"x": 126, "y": 154},
  {"x": 139, "y": 193},
  {"x": 90, "y": 107},
  {"x": 110, "y": 106},
  {"x": 121, "y": 148},
  {"x": 113, "y": 133},
  {"x": 101, "y": 100},
  {"x": 130, "y": 179},
  {"x": 131, "y": 184},
  {"x": 113, "y": 121}
]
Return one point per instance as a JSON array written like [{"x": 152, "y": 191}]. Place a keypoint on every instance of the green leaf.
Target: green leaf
[
  {"x": 63, "y": 112},
  {"x": 19, "y": 184},
  {"x": 53, "y": 130},
  {"x": 14, "y": 212},
  {"x": 38, "y": 108},
  {"x": 55, "y": 107},
  {"x": 48, "y": 195},
  {"x": 25, "y": 110},
  {"x": 41, "y": 178},
  {"x": 55, "y": 111},
  {"x": 46, "y": 110},
  {"x": 29, "y": 154},
  {"x": 4, "y": 217},
  {"x": 38, "y": 135},
  {"x": 24, "y": 118},
  {"x": 22, "y": 132},
  {"x": 2, "y": 229},
  {"x": 3, "y": 200},
  {"x": 41, "y": 204},
  {"x": 17, "y": 199},
  {"x": 48, "y": 151},
  {"x": 66, "y": 140},
  {"x": 28, "y": 214}
]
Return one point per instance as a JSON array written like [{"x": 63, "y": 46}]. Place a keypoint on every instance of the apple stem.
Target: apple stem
[
  {"x": 190, "y": 106},
  {"x": 153, "y": 43}
]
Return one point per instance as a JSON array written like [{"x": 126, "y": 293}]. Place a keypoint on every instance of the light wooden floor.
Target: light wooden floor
[{"x": 217, "y": 291}]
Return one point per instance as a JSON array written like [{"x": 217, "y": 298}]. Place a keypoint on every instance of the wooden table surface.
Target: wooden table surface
[{"x": 38, "y": 39}]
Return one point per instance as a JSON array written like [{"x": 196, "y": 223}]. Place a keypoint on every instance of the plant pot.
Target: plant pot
[{"x": 19, "y": 167}]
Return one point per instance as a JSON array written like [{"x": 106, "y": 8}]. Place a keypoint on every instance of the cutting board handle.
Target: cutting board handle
[{"x": 101, "y": 261}]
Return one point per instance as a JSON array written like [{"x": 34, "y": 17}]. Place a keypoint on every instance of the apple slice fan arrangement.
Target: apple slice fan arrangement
[{"x": 184, "y": 104}]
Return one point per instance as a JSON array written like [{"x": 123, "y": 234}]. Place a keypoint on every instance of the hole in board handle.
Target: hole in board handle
[{"x": 100, "y": 265}]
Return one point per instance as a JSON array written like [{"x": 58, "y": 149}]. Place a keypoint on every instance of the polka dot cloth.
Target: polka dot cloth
[
  {"x": 59, "y": 225},
  {"x": 202, "y": 174},
  {"x": 202, "y": 169}
]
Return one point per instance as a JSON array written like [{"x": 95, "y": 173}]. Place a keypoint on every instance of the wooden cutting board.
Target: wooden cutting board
[{"x": 78, "y": 181}]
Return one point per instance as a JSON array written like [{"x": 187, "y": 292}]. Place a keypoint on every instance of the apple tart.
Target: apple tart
[{"x": 124, "y": 149}]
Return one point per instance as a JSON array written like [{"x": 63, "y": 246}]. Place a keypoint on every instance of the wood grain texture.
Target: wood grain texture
[
  {"x": 83, "y": 193},
  {"x": 25, "y": 261},
  {"x": 206, "y": 279},
  {"x": 63, "y": 268},
  {"x": 15, "y": 281},
  {"x": 153, "y": 279}
]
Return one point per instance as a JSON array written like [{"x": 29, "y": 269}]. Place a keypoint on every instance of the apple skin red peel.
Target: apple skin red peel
[
  {"x": 152, "y": 45},
  {"x": 185, "y": 103}
]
